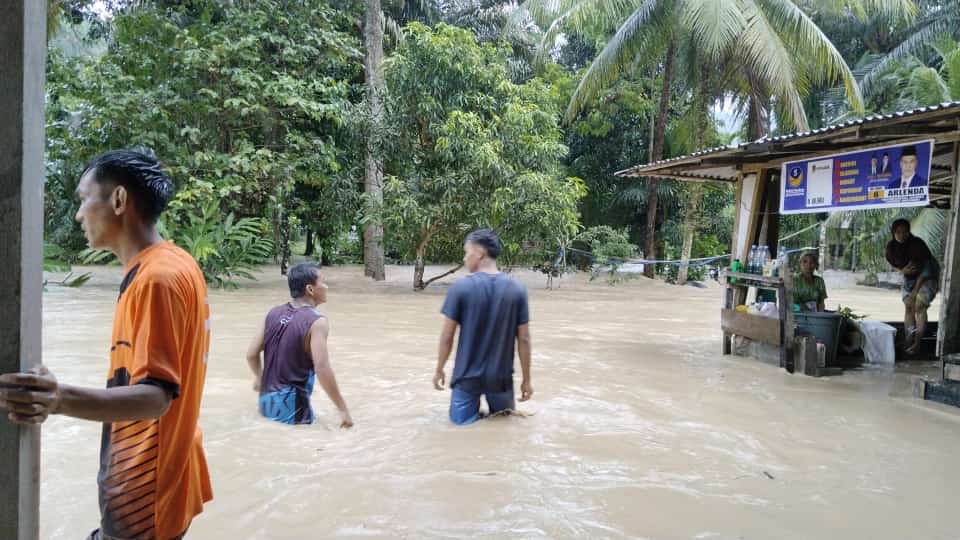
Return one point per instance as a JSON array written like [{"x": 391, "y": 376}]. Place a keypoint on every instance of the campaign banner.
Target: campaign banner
[{"x": 883, "y": 177}]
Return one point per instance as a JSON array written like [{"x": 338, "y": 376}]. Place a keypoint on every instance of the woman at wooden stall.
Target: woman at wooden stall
[{"x": 809, "y": 290}]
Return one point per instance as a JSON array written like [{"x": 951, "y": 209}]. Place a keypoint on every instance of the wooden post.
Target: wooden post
[
  {"x": 787, "y": 311},
  {"x": 23, "y": 26},
  {"x": 772, "y": 219},
  {"x": 948, "y": 334},
  {"x": 737, "y": 198},
  {"x": 748, "y": 212},
  {"x": 727, "y": 303}
]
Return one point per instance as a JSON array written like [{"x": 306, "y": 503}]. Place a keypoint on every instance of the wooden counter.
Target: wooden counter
[{"x": 777, "y": 332}]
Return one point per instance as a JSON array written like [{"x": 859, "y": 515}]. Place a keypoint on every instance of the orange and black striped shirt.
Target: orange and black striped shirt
[{"x": 153, "y": 474}]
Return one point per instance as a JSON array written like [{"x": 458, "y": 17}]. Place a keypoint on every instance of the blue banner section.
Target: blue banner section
[{"x": 882, "y": 177}]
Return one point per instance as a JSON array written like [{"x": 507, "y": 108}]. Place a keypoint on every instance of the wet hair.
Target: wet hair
[
  {"x": 140, "y": 174},
  {"x": 897, "y": 223},
  {"x": 487, "y": 239},
  {"x": 909, "y": 151},
  {"x": 813, "y": 256},
  {"x": 300, "y": 276}
]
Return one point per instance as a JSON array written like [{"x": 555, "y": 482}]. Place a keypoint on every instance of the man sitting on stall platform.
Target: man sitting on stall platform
[
  {"x": 809, "y": 290},
  {"x": 921, "y": 280}
]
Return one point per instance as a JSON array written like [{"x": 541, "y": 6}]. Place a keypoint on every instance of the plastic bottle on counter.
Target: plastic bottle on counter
[{"x": 735, "y": 266}]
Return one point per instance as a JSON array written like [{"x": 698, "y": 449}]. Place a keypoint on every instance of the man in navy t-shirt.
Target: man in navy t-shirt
[{"x": 493, "y": 315}]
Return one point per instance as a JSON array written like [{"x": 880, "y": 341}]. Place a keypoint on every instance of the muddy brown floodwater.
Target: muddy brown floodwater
[{"x": 639, "y": 427}]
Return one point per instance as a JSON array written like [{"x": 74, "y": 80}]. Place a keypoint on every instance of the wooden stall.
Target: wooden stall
[{"x": 755, "y": 169}]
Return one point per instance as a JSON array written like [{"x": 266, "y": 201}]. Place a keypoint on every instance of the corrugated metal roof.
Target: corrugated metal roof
[{"x": 797, "y": 135}]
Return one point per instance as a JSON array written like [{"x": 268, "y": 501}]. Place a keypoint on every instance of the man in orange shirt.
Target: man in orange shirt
[{"x": 153, "y": 475}]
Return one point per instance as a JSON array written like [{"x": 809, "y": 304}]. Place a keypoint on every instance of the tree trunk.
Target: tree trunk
[
  {"x": 824, "y": 247},
  {"x": 311, "y": 248},
  {"x": 286, "y": 209},
  {"x": 659, "y": 134},
  {"x": 695, "y": 190},
  {"x": 689, "y": 229},
  {"x": 420, "y": 262},
  {"x": 373, "y": 259},
  {"x": 418, "y": 268},
  {"x": 854, "y": 243},
  {"x": 758, "y": 114}
]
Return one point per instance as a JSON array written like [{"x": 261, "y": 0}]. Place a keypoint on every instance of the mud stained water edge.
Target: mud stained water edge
[{"x": 641, "y": 429}]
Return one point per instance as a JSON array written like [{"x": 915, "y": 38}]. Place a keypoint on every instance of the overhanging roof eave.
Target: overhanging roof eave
[{"x": 930, "y": 122}]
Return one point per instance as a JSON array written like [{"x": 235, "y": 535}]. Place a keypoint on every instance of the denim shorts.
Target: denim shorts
[
  {"x": 465, "y": 406},
  {"x": 928, "y": 291}
]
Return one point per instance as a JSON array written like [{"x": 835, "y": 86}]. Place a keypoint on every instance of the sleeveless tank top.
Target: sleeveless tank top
[{"x": 286, "y": 363}]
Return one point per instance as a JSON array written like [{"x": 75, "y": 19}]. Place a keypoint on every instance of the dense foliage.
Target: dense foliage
[
  {"x": 471, "y": 149},
  {"x": 513, "y": 116},
  {"x": 243, "y": 105}
]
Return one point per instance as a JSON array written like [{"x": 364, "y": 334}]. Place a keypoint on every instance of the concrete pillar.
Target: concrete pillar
[{"x": 23, "y": 28}]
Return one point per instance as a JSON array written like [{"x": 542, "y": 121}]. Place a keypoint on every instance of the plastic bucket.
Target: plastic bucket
[{"x": 822, "y": 326}]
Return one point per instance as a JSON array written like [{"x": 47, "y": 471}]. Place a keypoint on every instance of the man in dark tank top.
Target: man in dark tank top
[{"x": 293, "y": 340}]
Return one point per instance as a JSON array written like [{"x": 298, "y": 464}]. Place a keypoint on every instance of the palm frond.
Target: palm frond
[
  {"x": 891, "y": 10},
  {"x": 863, "y": 10},
  {"x": 556, "y": 16},
  {"x": 614, "y": 57},
  {"x": 931, "y": 225},
  {"x": 814, "y": 45},
  {"x": 926, "y": 32},
  {"x": 715, "y": 24},
  {"x": 927, "y": 87},
  {"x": 767, "y": 56},
  {"x": 951, "y": 71}
]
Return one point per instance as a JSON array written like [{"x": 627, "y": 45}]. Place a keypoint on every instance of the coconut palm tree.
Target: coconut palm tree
[
  {"x": 936, "y": 18},
  {"x": 920, "y": 85},
  {"x": 927, "y": 85},
  {"x": 775, "y": 48}
]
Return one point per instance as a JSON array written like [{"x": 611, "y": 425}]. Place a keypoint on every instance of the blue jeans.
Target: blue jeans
[{"x": 465, "y": 406}]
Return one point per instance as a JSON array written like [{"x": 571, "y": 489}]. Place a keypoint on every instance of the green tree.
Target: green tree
[
  {"x": 243, "y": 104},
  {"x": 936, "y": 18},
  {"x": 470, "y": 149},
  {"x": 923, "y": 85},
  {"x": 770, "y": 49}
]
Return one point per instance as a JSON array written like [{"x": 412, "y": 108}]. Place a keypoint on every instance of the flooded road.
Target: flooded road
[{"x": 639, "y": 427}]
